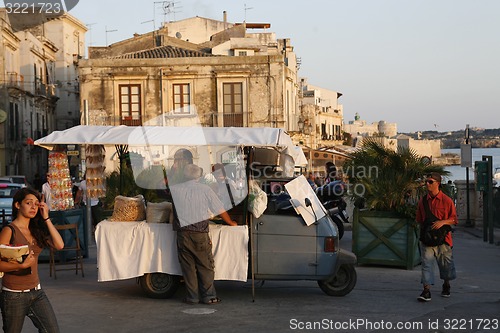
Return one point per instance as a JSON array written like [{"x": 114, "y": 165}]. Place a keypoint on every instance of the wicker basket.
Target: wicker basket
[{"x": 128, "y": 209}]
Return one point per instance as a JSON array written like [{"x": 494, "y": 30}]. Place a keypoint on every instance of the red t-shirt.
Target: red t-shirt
[{"x": 442, "y": 207}]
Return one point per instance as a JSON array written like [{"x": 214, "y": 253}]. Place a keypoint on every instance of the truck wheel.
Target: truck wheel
[
  {"x": 342, "y": 283},
  {"x": 159, "y": 285}
]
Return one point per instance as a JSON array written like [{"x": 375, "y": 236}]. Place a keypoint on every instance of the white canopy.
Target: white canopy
[{"x": 174, "y": 136}]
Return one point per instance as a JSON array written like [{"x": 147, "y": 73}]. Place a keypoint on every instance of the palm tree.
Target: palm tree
[{"x": 387, "y": 180}]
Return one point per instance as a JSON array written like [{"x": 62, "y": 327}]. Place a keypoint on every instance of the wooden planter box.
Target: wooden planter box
[{"x": 384, "y": 238}]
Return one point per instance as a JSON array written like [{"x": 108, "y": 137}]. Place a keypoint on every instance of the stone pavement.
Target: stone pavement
[{"x": 383, "y": 298}]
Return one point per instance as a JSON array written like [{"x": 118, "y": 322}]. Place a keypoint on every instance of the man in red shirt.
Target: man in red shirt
[{"x": 443, "y": 208}]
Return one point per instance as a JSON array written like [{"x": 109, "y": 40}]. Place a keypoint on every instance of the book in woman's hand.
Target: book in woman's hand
[
  {"x": 10, "y": 252},
  {"x": 15, "y": 253}
]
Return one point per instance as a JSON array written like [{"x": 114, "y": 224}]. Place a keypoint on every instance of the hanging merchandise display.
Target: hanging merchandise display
[
  {"x": 60, "y": 182},
  {"x": 94, "y": 171}
]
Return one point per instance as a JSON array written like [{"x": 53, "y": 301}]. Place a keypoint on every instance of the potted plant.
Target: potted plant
[{"x": 386, "y": 185}]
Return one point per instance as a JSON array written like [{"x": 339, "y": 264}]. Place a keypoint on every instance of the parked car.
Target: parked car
[
  {"x": 7, "y": 191},
  {"x": 18, "y": 179},
  {"x": 6, "y": 180}
]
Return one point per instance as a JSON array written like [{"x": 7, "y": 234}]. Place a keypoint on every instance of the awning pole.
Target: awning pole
[
  {"x": 88, "y": 229},
  {"x": 250, "y": 152},
  {"x": 252, "y": 263}
]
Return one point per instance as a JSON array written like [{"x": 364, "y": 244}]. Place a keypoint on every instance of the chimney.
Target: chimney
[{"x": 224, "y": 15}]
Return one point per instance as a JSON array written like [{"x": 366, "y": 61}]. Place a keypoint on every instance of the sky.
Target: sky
[{"x": 423, "y": 64}]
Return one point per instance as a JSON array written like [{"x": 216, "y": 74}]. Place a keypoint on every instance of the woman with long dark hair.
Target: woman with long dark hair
[{"x": 21, "y": 292}]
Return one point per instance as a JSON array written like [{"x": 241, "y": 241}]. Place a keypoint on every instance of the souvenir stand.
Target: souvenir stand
[
  {"x": 95, "y": 183},
  {"x": 135, "y": 248},
  {"x": 62, "y": 206}
]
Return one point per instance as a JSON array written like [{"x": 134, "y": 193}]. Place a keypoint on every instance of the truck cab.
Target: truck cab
[{"x": 286, "y": 248}]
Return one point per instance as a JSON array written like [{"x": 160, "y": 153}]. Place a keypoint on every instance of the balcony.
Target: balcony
[
  {"x": 231, "y": 119},
  {"x": 15, "y": 80},
  {"x": 128, "y": 121},
  {"x": 330, "y": 137},
  {"x": 40, "y": 89}
]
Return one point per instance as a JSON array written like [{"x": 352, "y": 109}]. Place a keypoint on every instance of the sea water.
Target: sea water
[{"x": 458, "y": 173}]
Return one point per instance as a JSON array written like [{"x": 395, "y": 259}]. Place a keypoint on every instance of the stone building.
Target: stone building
[
  {"x": 195, "y": 71},
  {"x": 29, "y": 65},
  {"x": 359, "y": 127},
  {"x": 322, "y": 115},
  {"x": 68, "y": 33},
  {"x": 427, "y": 148}
]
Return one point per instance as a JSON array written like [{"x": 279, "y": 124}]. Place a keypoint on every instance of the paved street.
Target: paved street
[{"x": 383, "y": 296}]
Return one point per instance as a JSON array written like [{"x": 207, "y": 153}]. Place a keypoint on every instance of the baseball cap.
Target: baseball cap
[{"x": 434, "y": 175}]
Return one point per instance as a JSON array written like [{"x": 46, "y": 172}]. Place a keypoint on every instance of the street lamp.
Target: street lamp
[
  {"x": 306, "y": 127},
  {"x": 468, "y": 222},
  {"x": 301, "y": 123},
  {"x": 309, "y": 129}
]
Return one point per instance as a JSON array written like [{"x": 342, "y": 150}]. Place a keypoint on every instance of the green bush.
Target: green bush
[{"x": 130, "y": 187}]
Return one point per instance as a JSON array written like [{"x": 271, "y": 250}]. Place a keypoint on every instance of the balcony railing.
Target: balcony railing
[
  {"x": 128, "y": 121},
  {"x": 233, "y": 120},
  {"x": 331, "y": 137},
  {"x": 230, "y": 119},
  {"x": 15, "y": 80}
]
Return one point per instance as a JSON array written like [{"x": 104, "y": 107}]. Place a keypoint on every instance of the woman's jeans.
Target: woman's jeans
[
  {"x": 443, "y": 255},
  {"x": 34, "y": 304}
]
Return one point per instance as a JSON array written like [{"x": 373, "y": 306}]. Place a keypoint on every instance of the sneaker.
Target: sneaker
[
  {"x": 446, "y": 291},
  {"x": 425, "y": 296}
]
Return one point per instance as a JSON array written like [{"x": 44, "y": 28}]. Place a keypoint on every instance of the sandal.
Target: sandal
[
  {"x": 214, "y": 300},
  {"x": 187, "y": 301}
]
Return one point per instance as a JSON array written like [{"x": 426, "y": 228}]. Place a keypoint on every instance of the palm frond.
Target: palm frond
[{"x": 391, "y": 179}]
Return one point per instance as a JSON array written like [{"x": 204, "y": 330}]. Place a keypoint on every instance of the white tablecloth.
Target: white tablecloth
[{"x": 130, "y": 249}]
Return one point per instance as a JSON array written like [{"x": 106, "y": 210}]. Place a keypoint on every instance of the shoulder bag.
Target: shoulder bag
[{"x": 429, "y": 236}]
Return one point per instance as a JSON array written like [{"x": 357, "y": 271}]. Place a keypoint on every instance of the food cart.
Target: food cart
[{"x": 293, "y": 240}]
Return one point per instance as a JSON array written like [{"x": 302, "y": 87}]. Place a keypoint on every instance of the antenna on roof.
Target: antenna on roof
[
  {"x": 154, "y": 29},
  {"x": 89, "y": 25},
  {"x": 246, "y": 8},
  {"x": 168, "y": 7},
  {"x": 107, "y": 34}
]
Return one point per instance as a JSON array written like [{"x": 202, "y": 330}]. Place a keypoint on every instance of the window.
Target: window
[
  {"x": 12, "y": 122},
  {"x": 18, "y": 121},
  {"x": 233, "y": 104},
  {"x": 242, "y": 53},
  {"x": 182, "y": 98},
  {"x": 130, "y": 104}
]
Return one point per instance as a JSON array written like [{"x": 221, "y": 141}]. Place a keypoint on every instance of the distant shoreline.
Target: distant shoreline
[
  {"x": 457, "y": 172},
  {"x": 447, "y": 159}
]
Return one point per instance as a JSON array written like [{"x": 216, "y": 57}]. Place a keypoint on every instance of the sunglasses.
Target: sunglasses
[{"x": 430, "y": 181}]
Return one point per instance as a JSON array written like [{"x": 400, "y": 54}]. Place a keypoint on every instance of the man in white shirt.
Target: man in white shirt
[
  {"x": 46, "y": 193},
  {"x": 192, "y": 203},
  {"x": 81, "y": 199}
]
